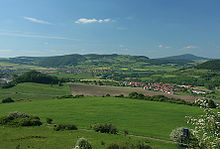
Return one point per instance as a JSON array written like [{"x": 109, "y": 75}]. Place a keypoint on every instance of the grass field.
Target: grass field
[
  {"x": 144, "y": 118},
  {"x": 34, "y": 91},
  {"x": 46, "y": 138}
]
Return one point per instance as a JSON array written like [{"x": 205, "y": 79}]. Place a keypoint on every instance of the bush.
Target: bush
[
  {"x": 17, "y": 114},
  {"x": 107, "y": 95},
  {"x": 211, "y": 104},
  {"x": 179, "y": 136},
  {"x": 106, "y": 128},
  {"x": 7, "y": 100},
  {"x": 8, "y": 85},
  {"x": 64, "y": 127},
  {"x": 120, "y": 96},
  {"x": 128, "y": 146},
  {"x": 83, "y": 143},
  {"x": 65, "y": 96},
  {"x": 125, "y": 132},
  {"x": 49, "y": 120},
  {"x": 133, "y": 95},
  {"x": 78, "y": 96},
  {"x": 20, "y": 119},
  {"x": 113, "y": 146}
]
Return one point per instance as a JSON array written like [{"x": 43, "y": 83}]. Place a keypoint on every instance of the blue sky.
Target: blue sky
[{"x": 153, "y": 28}]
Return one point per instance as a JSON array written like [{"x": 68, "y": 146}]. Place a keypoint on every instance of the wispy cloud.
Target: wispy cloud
[
  {"x": 163, "y": 46},
  {"x": 85, "y": 21},
  {"x": 37, "y": 20},
  {"x": 129, "y": 18},
  {"x": 190, "y": 47},
  {"x": 121, "y": 28},
  {"x": 5, "y": 50},
  {"x": 31, "y": 35}
]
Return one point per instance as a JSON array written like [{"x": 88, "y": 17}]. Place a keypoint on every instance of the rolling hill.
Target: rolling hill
[
  {"x": 96, "y": 60},
  {"x": 211, "y": 65},
  {"x": 188, "y": 57}
]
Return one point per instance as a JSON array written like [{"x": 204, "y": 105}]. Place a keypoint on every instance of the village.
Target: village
[{"x": 160, "y": 87}]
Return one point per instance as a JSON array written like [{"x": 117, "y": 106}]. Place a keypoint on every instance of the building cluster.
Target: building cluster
[
  {"x": 86, "y": 70},
  {"x": 199, "y": 92},
  {"x": 169, "y": 89}
]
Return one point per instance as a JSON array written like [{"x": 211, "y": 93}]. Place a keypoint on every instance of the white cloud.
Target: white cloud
[
  {"x": 160, "y": 46},
  {"x": 36, "y": 20},
  {"x": 31, "y": 35},
  {"x": 190, "y": 47},
  {"x": 85, "y": 21},
  {"x": 167, "y": 47}
]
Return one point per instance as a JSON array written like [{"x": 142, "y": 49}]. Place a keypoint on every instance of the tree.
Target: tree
[
  {"x": 206, "y": 127},
  {"x": 83, "y": 143},
  {"x": 181, "y": 136}
]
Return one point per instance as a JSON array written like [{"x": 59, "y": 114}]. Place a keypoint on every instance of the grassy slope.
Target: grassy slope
[
  {"x": 145, "y": 118},
  {"x": 10, "y": 138},
  {"x": 34, "y": 91}
]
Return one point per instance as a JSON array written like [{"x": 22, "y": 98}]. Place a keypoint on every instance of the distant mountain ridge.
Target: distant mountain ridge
[
  {"x": 186, "y": 57},
  {"x": 109, "y": 60}
]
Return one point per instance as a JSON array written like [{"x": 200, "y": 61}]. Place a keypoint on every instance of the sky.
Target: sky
[{"x": 152, "y": 28}]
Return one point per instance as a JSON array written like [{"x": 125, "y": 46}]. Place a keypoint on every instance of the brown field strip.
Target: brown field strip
[{"x": 93, "y": 90}]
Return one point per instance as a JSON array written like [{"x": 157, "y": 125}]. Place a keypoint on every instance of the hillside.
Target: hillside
[
  {"x": 188, "y": 57},
  {"x": 211, "y": 65}
]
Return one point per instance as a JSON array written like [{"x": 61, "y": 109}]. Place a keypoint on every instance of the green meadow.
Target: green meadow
[
  {"x": 46, "y": 138},
  {"x": 138, "y": 117},
  {"x": 29, "y": 91}
]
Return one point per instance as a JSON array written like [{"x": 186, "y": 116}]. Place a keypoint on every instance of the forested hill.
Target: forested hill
[
  {"x": 186, "y": 57},
  {"x": 211, "y": 65}
]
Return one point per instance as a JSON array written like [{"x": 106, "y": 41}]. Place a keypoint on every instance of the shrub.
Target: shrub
[
  {"x": 125, "y": 132},
  {"x": 211, "y": 104},
  {"x": 78, "y": 96},
  {"x": 179, "y": 136},
  {"x": 128, "y": 146},
  {"x": 107, "y": 95},
  {"x": 140, "y": 96},
  {"x": 112, "y": 146},
  {"x": 133, "y": 95},
  {"x": 83, "y": 143},
  {"x": 120, "y": 96},
  {"x": 102, "y": 143},
  {"x": 105, "y": 128},
  {"x": 65, "y": 96},
  {"x": 20, "y": 119},
  {"x": 7, "y": 100},
  {"x": 49, "y": 120},
  {"x": 64, "y": 127},
  {"x": 17, "y": 114}
]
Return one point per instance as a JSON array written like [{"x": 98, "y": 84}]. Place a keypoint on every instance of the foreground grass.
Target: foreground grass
[
  {"x": 46, "y": 138},
  {"x": 34, "y": 91},
  {"x": 145, "y": 118}
]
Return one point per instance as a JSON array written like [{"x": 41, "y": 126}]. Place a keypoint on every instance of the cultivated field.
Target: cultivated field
[{"x": 92, "y": 90}]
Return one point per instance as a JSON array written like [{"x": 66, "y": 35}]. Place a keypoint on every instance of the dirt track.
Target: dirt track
[{"x": 93, "y": 90}]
